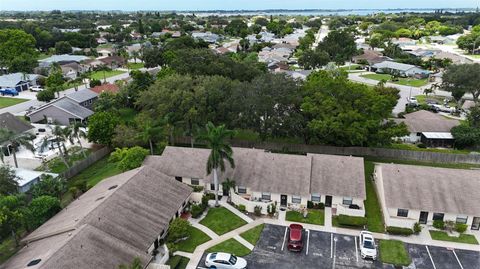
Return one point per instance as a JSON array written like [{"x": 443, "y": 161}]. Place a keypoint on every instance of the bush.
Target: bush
[
  {"x": 271, "y": 209},
  {"x": 128, "y": 158},
  {"x": 321, "y": 206},
  {"x": 399, "y": 230},
  {"x": 46, "y": 95},
  {"x": 95, "y": 82},
  {"x": 174, "y": 261},
  {"x": 422, "y": 146},
  {"x": 439, "y": 224},
  {"x": 312, "y": 205},
  {"x": 417, "y": 228},
  {"x": 345, "y": 220},
  {"x": 242, "y": 208},
  {"x": 257, "y": 210},
  {"x": 197, "y": 210},
  {"x": 196, "y": 188},
  {"x": 460, "y": 227},
  {"x": 207, "y": 197},
  {"x": 309, "y": 204},
  {"x": 178, "y": 229}
]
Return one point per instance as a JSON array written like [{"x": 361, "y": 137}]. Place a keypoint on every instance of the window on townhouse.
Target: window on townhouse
[
  {"x": 438, "y": 216},
  {"x": 347, "y": 201},
  {"x": 462, "y": 219},
  {"x": 195, "y": 181},
  {"x": 315, "y": 197},
  {"x": 266, "y": 196},
  {"x": 242, "y": 190},
  {"x": 179, "y": 179},
  {"x": 212, "y": 187},
  {"x": 296, "y": 199},
  {"x": 402, "y": 213}
]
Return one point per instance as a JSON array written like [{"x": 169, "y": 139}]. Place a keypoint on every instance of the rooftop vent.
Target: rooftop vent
[
  {"x": 34, "y": 262},
  {"x": 99, "y": 198},
  {"x": 112, "y": 187}
]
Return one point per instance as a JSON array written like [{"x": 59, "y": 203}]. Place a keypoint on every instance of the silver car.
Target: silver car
[{"x": 222, "y": 260}]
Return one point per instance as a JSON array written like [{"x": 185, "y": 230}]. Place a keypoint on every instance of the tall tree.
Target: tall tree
[
  {"x": 17, "y": 51},
  {"x": 16, "y": 141},
  {"x": 11, "y": 215},
  {"x": 75, "y": 132},
  {"x": 462, "y": 79},
  {"x": 340, "y": 45},
  {"x": 215, "y": 137},
  {"x": 8, "y": 181},
  {"x": 101, "y": 127}
]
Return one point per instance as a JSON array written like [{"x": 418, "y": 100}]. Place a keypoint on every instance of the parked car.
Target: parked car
[
  {"x": 413, "y": 100},
  {"x": 36, "y": 89},
  {"x": 8, "y": 91},
  {"x": 221, "y": 260},
  {"x": 368, "y": 249},
  {"x": 295, "y": 238}
]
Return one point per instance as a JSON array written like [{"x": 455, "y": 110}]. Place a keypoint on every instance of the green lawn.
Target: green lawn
[
  {"x": 56, "y": 165},
  {"x": 135, "y": 66},
  {"x": 394, "y": 252},
  {"x": 315, "y": 216},
  {"x": 422, "y": 99},
  {"x": 195, "y": 239},
  {"x": 181, "y": 265},
  {"x": 463, "y": 238},
  {"x": 231, "y": 246},
  {"x": 127, "y": 115},
  {"x": 100, "y": 75},
  {"x": 253, "y": 234},
  {"x": 373, "y": 210},
  {"x": 221, "y": 220},
  {"x": 8, "y": 101},
  {"x": 42, "y": 56},
  {"x": 401, "y": 81}
]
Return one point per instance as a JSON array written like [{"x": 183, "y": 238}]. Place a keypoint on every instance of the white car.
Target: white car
[
  {"x": 222, "y": 260},
  {"x": 368, "y": 249},
  {"x": 412, "y": 100},
  {"x": 36, "y": 89}
]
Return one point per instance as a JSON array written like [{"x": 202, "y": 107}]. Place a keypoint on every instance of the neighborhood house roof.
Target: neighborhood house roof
[
  {"x": 426, "y": 121},
  {"x": 271, "y": 172},
  {"x": 394, "y": 66},
  {"x": 68, "y": 106},
  {"x": 437, "y": 135},
  {"x": 111, "y": 224},
  {"x": 432, "y": 189},
  {"x": 82, "y": 95},
  {"x": 64, "y": 58},
  {"x": 12, "y": 80},
  {"x": 12, "y": 123},
  {"x": 25, "y": 176}
]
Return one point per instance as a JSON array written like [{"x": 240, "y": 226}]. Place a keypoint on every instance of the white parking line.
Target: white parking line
[
  {"x": 356, "y": 249},
  {"x": 334, "y": 249},
  {"x": 430, "y": 255},
  {"x": 284, "y": 237},
  {"x": 308, "y": 241},
  {"x": 461, "y": 266},
  {"x": 331, "y": 246}
]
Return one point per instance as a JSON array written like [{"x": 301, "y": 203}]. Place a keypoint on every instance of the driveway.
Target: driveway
[{"x": 328, "y": 250}]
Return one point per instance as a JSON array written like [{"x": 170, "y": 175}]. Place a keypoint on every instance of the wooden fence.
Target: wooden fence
[
  {"x": 84, "y": 164},
  {"x": 423, "y": 156}
]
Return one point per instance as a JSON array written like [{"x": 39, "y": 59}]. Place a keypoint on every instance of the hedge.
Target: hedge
[
  {"x": 399, "y": 230},
  {"x": 174, "y": 261},
  {"x": 345, "y": 220}
]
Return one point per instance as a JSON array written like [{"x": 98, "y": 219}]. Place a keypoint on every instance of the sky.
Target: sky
[{"x": 132, "y": 5}]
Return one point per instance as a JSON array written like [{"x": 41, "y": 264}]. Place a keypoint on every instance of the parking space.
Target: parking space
[{"x": 327, "y": 250}]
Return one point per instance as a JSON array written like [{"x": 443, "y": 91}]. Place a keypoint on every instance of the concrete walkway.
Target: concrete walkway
[
  {"x": 183, "y": 254},
  {"x": 244, "y": 242},
  {"x": 223, "y": 202},
  {"x": 204, "y": 229},
  {"x": 328, "y": 217}
]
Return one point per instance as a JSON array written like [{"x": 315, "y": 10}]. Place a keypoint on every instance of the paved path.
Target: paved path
[
  {"x": 223, "y": 202},
  {"x": 205, "y": 229},
  {"x": 183, "y": 254},
  {"x": 244, "y": 242}
]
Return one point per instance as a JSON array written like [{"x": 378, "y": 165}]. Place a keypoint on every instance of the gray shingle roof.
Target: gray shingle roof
[
  {"x": 426, "y": 121},
  {"x": 11, "y": 80},
  {"x": 394, "y": 66},
  {"x": 431, "y": 189},
  {"x": 270, "y": 172},
  {"x": 68, "y": 106},
  {"x": 82, "y": 95},
  {"x": 12, "y": 123},
  {"x": 106, "y": 227}
]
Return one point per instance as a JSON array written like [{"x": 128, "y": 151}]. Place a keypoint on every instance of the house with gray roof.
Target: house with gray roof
[
  {"x": 431, "y": 129},
  {"x": 18, "y": 81},
  {"x": 410, "y": 194},
  {"x": 10, "y": 122},
  {"x": 404, "y": 70},
  {"x": 62, "y": 59},
  {"x": 263, "y": 178},
  {"x": 121, "y": 218},
  {"x": 63, "y": 111},
  {"x": 84, "y": 97}
]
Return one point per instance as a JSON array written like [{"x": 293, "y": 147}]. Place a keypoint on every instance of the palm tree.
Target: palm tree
[
  {"x": 74, "y": 132},
  {"x": 16, "y": 140},
  {"x": 228, "y": 185},
  {"x": 215, "y": 137}
]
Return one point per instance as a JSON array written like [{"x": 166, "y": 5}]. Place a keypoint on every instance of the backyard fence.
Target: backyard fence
[
  {"x": 398, "y": 154},
  {"x": 84, "y": 164}
]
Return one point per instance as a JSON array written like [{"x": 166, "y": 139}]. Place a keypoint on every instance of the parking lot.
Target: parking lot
[{"x": 327, "y": 250}]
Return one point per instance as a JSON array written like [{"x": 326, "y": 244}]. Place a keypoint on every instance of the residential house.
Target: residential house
[
  {"x": 72, "y": 70},
  {"x": 410, "y": 194},
  {"x": 105, "y": 52},
  {"x": 263, "y": 178},
  {"x": 403, "y": 70},
  {"x": 10, "y": 122},
  {"x": 121, "y": 218},
  {"x": 76, "y": 106},
  {"x": 134, "y": 48},
  {"x": 107, "y": 87},
  {"x": 207, "y": 37},
  {"x": 18, "y": 81},
  {"x": 441, "y": 40},
  {"x": 62, "y": 59},
  {"x": 431, "y": 129},
  {"x": 113, "y": 61},
  {"x": 27, "y": 178},
  {"x": 261, "y": 37},
  {"x": 371, "y": 57},
  {"x": 455, "y": 58}
]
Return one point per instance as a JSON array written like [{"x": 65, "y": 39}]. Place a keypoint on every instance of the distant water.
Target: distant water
[{"x": 343, "y": 12}]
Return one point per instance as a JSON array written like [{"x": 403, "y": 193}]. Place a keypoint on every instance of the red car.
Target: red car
[{"x": 295, "y": 238}]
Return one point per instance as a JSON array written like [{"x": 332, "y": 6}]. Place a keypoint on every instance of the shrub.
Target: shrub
[
  {"x": 439, "y": 224},
  {"x": 95, "y": 82},
  {"x": 417, "y": 228},
  {"x": 449, "y": 225},
  {"x": 46, "y": 95},
  {"x": 242, "y": 208},
  {"x": 178, "y": 229},
  {"x": 197, "y": 210},
  {"x": 128, "y": 158},
  {"x": 345, "y": 220},
  {"x": 312, "y": 205},
  {"x": 257, "y": 210},
  {"x": 174, "y": 261},
  {"x": 460, "y": 227},
  {"x": 309, "y": 204},
  {"x": 271, "y": 209},
  {"x": 207, "y": 197},
  {"x": 196, "y": 188},
  {"x": 321, "y": 206},
  {"x": 422, "y": 146},
  {"x": 399, "y": 230}
]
